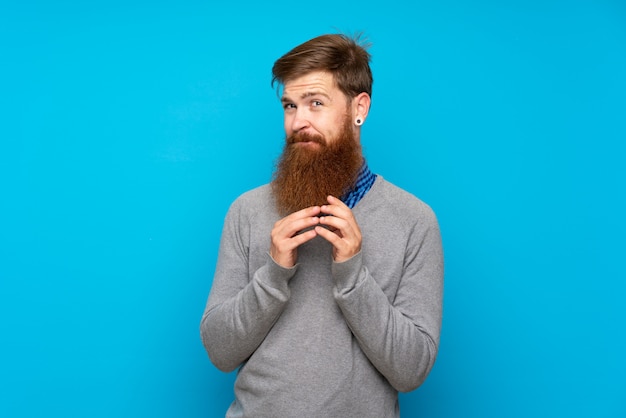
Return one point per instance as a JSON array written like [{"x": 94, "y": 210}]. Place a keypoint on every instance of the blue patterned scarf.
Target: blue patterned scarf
[{"x": 364, "y": 182}]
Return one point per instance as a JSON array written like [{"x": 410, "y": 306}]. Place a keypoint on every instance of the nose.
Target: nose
[{"x": 299, "y": 121}]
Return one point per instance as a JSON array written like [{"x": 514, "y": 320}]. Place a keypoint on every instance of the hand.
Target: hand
[
  {"x": 285, "y": 236},
  {"x": 344, "y": 233}
]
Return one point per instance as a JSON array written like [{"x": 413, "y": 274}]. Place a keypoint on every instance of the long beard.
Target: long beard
[{"x": 304, "y": 177}]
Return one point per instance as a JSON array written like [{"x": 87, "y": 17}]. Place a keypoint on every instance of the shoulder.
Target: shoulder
[
  {"x": 398, "y": 200},
  {"x": 254, "y": 201},
  {"x": 259, "y": 194},
  {"x": 389, "y": 206}
]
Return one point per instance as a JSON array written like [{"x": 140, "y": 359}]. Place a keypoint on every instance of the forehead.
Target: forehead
[{"x": 321, "y": 82}]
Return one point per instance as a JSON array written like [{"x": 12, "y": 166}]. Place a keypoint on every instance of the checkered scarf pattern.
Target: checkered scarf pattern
[{"x": 364, "y": 182}]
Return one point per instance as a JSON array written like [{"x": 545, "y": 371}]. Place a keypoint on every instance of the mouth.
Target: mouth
[
  {"x": 307, "y": 144},
  {"x": 305, "y": 140}
]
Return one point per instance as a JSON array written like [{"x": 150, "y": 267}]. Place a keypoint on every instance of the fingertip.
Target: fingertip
[
  {"x": 318, "y": 231},
  {"x": 307, "y": 236}
]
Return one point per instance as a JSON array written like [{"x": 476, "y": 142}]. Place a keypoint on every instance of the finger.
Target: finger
[
  {"x": 300, "y": 239},
  {"x": 335, "y": 223},
  {"x": 299, "y": 226},
  {"x": 342, "y": 249},
  {"x": 342, "y": 222},
  {"x": 335, "y": 201},
  {"x": 341, "y": 217},
  {"x": 329, "y": 236},
  {"x": 291, "y": 243},
  {"x": 336, "y": 208},
  {"x": 297, "y": 221},
  {"x": 301, "y": 214},
  {"x": 283, "y": 247},
  {"x": 304, "y": 213}
]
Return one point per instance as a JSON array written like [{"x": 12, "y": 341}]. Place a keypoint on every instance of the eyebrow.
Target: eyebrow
[{"x": 307, "y": 94}]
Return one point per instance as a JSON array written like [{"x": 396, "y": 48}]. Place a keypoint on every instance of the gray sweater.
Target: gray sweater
[{"x": 326, "y": 339}]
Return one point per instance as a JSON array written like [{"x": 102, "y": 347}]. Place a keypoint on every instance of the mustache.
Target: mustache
[{"x": 305, "y": 137}]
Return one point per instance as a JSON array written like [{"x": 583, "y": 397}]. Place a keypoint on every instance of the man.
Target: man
[{"x": 328, "y": 288}]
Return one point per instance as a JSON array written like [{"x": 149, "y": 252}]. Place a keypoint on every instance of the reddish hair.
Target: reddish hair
[{"x": 345, "y": 58}]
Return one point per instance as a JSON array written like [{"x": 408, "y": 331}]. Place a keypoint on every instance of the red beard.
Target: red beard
[{"x": 305, "y": 176}]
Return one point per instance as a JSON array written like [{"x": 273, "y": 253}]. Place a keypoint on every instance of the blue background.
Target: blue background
[{"x": 127, "y": 129}]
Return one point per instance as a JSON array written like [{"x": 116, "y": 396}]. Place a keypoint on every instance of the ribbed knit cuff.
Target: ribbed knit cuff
[
  {"x": 346, "y": 274},
  {"x": 276, "y": 275}
]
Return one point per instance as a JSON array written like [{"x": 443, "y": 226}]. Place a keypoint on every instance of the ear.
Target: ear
[{"x": 361, "y": 107}]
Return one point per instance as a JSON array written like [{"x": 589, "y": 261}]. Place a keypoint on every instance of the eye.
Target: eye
[
  {"x": 288, "y": 106},
  {"x": 316, "y": 103}
]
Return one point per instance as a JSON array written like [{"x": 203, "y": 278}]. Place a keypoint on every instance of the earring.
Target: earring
[{"x": 358, "y": 122}]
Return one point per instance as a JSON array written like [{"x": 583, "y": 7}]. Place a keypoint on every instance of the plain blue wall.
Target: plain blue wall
[{"x": 127, "y": 129}]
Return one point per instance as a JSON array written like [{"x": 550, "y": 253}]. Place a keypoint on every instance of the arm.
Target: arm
[
  {"x": 400, "y": 337},
  {"x": 241, "y": 310},
  {"x": 233, "y": 327}
]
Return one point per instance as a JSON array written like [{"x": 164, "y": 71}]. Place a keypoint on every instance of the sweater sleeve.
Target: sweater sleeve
[
  {"x": 241, "y": 309},
  {"x": 399, "y": 336}
]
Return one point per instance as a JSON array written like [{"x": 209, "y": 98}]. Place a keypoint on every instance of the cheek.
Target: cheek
[
  {"x": 337, "y": 126},
  {"x": 287, "y": 126},
  {"x": 328, "y": 125}
]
